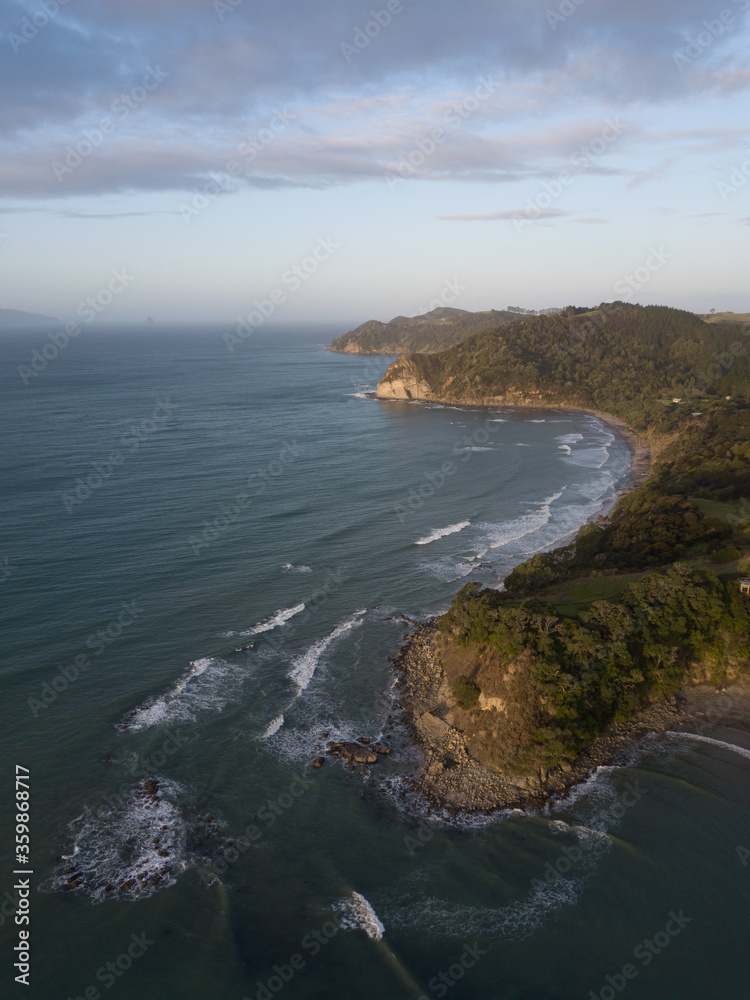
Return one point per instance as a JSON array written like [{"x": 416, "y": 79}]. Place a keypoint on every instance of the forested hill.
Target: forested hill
[
  {"x": 434, "y": 331},
  {"x": 628, "y": 360},
  {"x": 644, "y": 599}
]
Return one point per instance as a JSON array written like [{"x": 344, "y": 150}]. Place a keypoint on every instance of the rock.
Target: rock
[
  {"x": 319, "y": 761},
  {"x": 566, "y": 767},
  {"x": 380, "y": 749},
  {"x": 432, "y": 728},
  {"x": 354, "y": 752},
  {"x": 363, "y": 739}
]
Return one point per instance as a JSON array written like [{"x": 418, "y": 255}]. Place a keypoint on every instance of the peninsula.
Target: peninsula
[
  {"x": 516, "y": 694},
  {"x": 433, "y": 331}
]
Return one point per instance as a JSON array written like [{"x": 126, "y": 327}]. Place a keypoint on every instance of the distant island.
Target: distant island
[
  {"x": 17, "y": 319},
  {"x": 434, "y": 331},
  {"x": 517, "y": 693}
]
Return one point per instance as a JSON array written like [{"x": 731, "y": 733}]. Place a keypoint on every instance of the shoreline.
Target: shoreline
[
  {"x": 450, "y": 779},
  {"x": 641, "y": 459}
]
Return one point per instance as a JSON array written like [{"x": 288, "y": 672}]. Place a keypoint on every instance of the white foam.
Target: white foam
[
  {"x": 273, "y": 727},
  {"x": 452, "y": 529},
  {"x": 512, "y": 531},
  {"x": 275, "y": 621},
  {"x": 589, "y": 458},
  {"x": 289, "y": 568},
  {"x": 358, "y": 914},
  {"x": 569, "y": 438},
  {"x": 440, "y": 918},
  {"x": 114, "y": 844},
  {"x": 742, "y": 751},
  {"x": 209, "y": 684},
  {"x": 447, "y": 569},
  {"x": 304, "y": 666},
  {"x": 566, "y": 448}
]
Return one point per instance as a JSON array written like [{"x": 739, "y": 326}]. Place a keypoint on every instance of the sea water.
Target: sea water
[{"x": 204, "y": 559}]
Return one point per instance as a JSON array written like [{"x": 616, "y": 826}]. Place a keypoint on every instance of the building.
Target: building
[{"x": 745, "y": 587}]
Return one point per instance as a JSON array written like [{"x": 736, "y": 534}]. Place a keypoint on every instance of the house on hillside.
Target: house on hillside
[{"x": 745, "y": 587}]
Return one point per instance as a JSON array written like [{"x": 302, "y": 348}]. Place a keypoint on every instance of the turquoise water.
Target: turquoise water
[{"x": 202, "y": 558}]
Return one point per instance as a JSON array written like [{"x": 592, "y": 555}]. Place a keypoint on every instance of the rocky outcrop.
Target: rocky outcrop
[
  {"x": 452, "y": 776},
  {"x": 359, "y": 752},
  {"x": 404, "y": 380}
]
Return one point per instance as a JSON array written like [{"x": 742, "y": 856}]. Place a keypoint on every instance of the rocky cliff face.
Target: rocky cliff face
[
  {"x": 413, "y": 377},
  {"x": 404, "y": 380}
]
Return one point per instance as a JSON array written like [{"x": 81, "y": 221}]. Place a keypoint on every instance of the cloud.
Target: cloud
[
  {"x": 652, "y": 174},
  {"x": 227, "y": 72},
  {"x": 507, "y": 216}
]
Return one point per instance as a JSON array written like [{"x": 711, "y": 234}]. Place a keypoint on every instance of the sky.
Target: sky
[{"x": 339, "y": 160}]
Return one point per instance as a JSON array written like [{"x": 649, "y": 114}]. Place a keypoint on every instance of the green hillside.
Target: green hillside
[{"x": 434, "y": 331}]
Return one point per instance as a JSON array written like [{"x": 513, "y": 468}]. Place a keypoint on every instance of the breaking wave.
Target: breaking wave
[
  {"x": 452, "y": 529},
  {"x": 304, "y": 666},
  {"x": 276, "y": 620}
]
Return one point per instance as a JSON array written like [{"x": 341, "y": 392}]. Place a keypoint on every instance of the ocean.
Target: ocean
[{"x": 204, "y": 564}]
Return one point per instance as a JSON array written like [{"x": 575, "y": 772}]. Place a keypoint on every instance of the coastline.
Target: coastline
[{"x": 450, "y": 779}]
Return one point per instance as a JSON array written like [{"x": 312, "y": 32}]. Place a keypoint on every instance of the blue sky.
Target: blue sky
[{"x": 531, "y": 153}]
